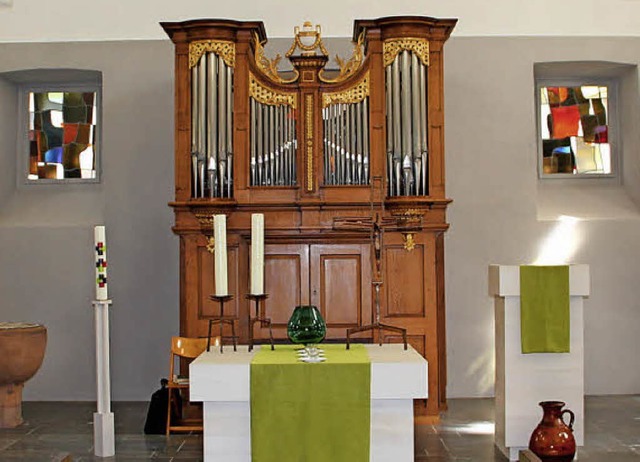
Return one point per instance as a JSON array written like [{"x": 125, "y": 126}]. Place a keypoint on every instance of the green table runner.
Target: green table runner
[
  {"x": 304, "y": 412},
  {"x": 544, "y": 309}
]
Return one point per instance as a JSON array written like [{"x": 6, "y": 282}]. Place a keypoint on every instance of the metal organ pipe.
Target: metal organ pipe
[
  {"x": 272, "y": 140},
  {"x": 346, "y": 143},
  {"x": 415, "y": 125},
  {"x": 260, "y": 148},
  {"x": 202, "y": 134},
  {"x": 365, "y": 139},
  {"x": 272, "y": 144},
  {"x": 212, "y": 128},
  {"x": 229, "y": 125},
  {"x": 194, "y": 131},
  {"x": 252, "y": 139},
  {"x": 222, "y": 126},
  {"x": 397, "y": 143},
  {"x": 406, "y": 123},
  {"x": 212, "y": 123},
  {"x": 348, "y": 137},
  {"x": 281, "y": 145},
  {"x": 390, "y": 128},
  {"x": 423, "y": 128},
  {"x": 359, "y": 135}
]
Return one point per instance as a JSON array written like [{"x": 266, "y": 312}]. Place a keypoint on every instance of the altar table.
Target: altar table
[{"x": 221, "y": 382}]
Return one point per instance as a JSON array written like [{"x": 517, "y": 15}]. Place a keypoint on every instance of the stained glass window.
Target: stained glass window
[
  {"x": 574, "y": 130},
  {"x": 62, "y": 135}
]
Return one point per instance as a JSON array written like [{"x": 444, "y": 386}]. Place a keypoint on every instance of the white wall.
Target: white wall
[
  {"x": 62, "y": 20},
  {"x": 492, "y": 178},
  {"x": 46, "y": 231}
]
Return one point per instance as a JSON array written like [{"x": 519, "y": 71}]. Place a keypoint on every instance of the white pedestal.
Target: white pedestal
[
  {"x": 103, "y": 426},
  {"x": 222, "y": 381},
  {"x": 523, "y": 380},
  {"x": 103, "y": 434}
]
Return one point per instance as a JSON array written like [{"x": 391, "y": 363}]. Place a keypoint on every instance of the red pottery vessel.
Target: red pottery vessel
[{"x": 552, "y": 440}]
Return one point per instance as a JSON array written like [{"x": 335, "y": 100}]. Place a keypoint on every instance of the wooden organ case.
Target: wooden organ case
[{"x": 346, "y": 166}]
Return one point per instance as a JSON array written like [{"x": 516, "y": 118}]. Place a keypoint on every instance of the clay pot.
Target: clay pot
[
  {"x": 552, "y": 440},
  {"x": 22, "y": 349}
]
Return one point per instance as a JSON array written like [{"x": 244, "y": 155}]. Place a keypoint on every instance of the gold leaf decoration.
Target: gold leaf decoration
[
  {"x": 269, "y": 67},
  {"x": 223, "y": 48},
  {"x": 409, "y": 242},
  {"x": 352, "y": 95},
  {"x": 394, "y": 46},
  {"x": 301, "y": 36},
  {"x": 270, "y": 96},
  {"x": 309, "y": 124},
  {"x": 211, "y": 244},
  {"x": 349, "y": 67}
]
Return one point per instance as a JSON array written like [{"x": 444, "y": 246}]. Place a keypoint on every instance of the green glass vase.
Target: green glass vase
[{"x": 306, "y": 326}]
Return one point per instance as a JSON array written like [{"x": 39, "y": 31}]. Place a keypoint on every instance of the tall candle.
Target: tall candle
[
  {"x": 100, "y": 249},
  {"x": 257, "y": 254},
  {"x": 220, "y": 236}
]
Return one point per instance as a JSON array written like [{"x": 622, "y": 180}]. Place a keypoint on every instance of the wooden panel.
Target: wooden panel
[
  {"x": 403, "y": 298},
  {"x": 341, "y": 285},
  {"x": 286, "y": 276},
  {"x": 341, "y": 289}
]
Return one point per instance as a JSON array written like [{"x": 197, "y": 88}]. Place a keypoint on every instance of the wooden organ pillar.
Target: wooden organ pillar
[{"x": 313, "y": 149}]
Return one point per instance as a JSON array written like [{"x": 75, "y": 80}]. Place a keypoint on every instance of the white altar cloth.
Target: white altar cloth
[{"x": 221, "y": 382}]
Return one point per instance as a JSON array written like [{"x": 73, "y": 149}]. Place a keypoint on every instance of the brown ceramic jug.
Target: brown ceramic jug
[{"x": 552, "y": 440}]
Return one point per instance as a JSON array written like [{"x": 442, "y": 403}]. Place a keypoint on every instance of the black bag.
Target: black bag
[{"x": 156, "y": 423}]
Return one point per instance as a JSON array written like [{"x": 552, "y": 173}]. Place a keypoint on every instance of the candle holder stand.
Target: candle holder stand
[
  {"x": 264, "y": 322},
  {"x": 221, "y": 321},
  {"x": 377, "y": 325},
  {"x": 103, "y": 421}
]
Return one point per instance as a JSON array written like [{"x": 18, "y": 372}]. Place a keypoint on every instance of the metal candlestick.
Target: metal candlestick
[
  {"x": 264, "y": 322},
  {"x": 377, "y": 325},
  {"x": 221, "y": 320}
]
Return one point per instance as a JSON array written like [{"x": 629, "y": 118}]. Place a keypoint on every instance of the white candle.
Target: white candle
[
  {"x": 257, "y": 254},
  {"x": 220, "y": 236},
  {"x": 100, "y": 251}
]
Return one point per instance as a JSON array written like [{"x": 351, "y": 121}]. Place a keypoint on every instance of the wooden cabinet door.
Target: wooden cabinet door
[
  {"x": 286, "y": 279},
  {"x": 340, "y": 285}
]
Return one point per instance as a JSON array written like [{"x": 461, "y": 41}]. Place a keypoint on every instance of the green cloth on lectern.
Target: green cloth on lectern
[
  {"x": 303, "y": 412},
  {"x": 544, "y": 309}
]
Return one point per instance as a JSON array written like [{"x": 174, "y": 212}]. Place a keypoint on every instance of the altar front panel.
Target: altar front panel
[{"x": 222, "y": 381}]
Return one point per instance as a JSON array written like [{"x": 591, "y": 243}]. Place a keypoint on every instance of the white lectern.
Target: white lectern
[{"x": 523, "y": 380}]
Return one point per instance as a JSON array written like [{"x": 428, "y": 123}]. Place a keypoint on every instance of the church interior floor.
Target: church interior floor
[{"x": 63, "y": 431}]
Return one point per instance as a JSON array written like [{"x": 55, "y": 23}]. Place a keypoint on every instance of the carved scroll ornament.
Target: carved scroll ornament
[
  {"x": 226, "y": 50},
  {"x": 394, "y": 46}
]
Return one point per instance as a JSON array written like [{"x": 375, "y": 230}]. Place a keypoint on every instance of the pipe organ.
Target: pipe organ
[{"x": 345, "y": 162}]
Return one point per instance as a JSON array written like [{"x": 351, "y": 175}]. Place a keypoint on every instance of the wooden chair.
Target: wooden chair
[{"x": 188, "y": 349}]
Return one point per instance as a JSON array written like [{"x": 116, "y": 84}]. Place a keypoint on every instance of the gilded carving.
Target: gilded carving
[
  {"x": 349, "y": 67},
  {"x": 409, "y": 242},
  {"x": 269, "y": 67},
  {"x": 309, "y": 124},
  {"x": 206, "y": 218},
  {"x": 352, "y": 95},
  {"x": 304, "y": 36},
  {"x": 211, "y": 244},
  {"x": 394, "y": 46},
  {"x": 408, "y": 217},
  {"x": 269, "y": 96},
  {"x": 226, "y": 50}
]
